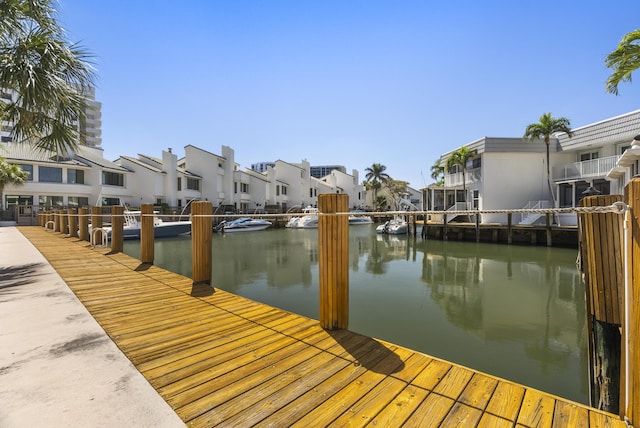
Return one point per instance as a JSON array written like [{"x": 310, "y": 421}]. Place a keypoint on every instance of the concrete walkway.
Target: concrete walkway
[{"x": 58, "y": 368}]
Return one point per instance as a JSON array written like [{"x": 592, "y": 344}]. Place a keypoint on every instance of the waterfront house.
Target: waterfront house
[{"x": 510, "y": 173}]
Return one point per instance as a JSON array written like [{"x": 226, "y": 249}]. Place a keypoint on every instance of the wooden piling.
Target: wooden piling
[
  {"x": 601, "y": 256},
  {"x": 201, "y": 241},
  {"x": 117, "y": 228},
  {"x": 96, "y": 217},
  {"x": 146, "y": 233},
  {"x": 477, "y": 227},
  {"x": 632, "y": 409},
  {"x": 56, "y": 221},
  {"x": 64, "y": 222},
  {"x": 83, "y": 224},
  {"x": 509, "y": 228},
  {"x": 445, "y": 235},
  {"x": 333, "y": 266},
  {"x": 73, "y": 223},
  {"x": 548, "y": 229}
]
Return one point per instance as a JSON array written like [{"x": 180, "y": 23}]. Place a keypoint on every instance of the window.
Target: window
[
  {"x": 75, "y": 176},
  {"x": 5, "y": 139},
  {"x": 277, "y": 190},
  {"x": 18, "y": 200},
  {"x": 158, "y": 201},
  {"x": 49, "y": 174},
  {"x": 50, "y": 201},
  {"x": 476, "y": 163},
  {"x": 588, "y": 156},
  {"x": 235, "y": 187},
  {"x": 110, "y": 201},
  {"x": 310, "y": 193},
  {"x": 624, "y": 147},
  {"x": 476, "y": 198},
  {"x": 28, "y": 169},
  {"x": 112, "y": 178},
  {"x": 179, "y": 183},
  {"x": 244, "y": 188},
  {"x": 78, "y": 201},
  {"x": 284, "y": 190},
  {"x": 193, "y": 184}
]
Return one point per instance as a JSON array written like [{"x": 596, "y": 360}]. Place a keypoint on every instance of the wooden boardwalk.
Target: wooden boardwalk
[{"x": 220, "y": 359}]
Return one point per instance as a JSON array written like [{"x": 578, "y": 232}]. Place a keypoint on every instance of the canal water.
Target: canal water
[{"x": 517, "y": 312}]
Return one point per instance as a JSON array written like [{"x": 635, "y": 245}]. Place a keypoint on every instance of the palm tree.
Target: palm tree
[
  {"x": 437, "y": 172},
  {"x": 43, "y": 74},
  {"x": 10, "y": 174},
  {"x": 624, "y": 60},
  {"x": 543, "y": 130},
  {"x": 460, "y": 158},
  {"x": 375, "y": 176}
]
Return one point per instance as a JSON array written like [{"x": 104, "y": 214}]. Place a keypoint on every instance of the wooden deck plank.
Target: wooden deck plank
[
  {"x": 220, "y": 358},
  {"x": 397, "y": 411},
  {"x": 537, "y": 409}
]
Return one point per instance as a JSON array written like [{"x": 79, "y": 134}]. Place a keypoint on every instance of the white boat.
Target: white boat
[
  {"x": 161, "y": 228},
  {"x": 359, "y": 219},
  {"x": 243, "y": 224},
  {"x": 397, "y": 226},
  {"x": 308, "y": 219}
]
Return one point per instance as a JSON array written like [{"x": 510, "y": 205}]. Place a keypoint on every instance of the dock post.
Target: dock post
[
  {"x": 601, "y": 254},
  {"x": 146, "y": 234},
  {"x": 96, "y": 217},
  {"x": 64, "y": 222},
  {"x": 73, "y": 223},
  {"x": 509, "y": 228},
  {"x": 548, "y": 229},
  {"x": 56, "y": 221},
  {"x": 201, "y": 240},
  {"x": 477, "y": 227},
  {"x": 83, "y": 224},
  {"x": 631, "y": 404},
  {"x": 333, "y": 251},
  {"x": 117, "y": 228},
  {"x": 444, "y": 228}
]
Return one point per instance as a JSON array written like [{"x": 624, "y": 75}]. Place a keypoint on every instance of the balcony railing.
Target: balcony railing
[
  {"x": 586, "y": 169},
  {"x": 472, "y": 176}
]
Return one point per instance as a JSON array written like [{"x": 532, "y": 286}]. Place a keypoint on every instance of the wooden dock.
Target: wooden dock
[{"x": 220, "y": 359}]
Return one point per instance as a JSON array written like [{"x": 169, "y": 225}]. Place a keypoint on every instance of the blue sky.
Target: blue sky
[{"x": 350, "y": 82}]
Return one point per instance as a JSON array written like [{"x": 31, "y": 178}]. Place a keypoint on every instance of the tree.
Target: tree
[
  {"x": 624, "y": 60},
  {"x": 10, "y": 174},
  {"x": 543, "y": 130},
  {"x": 437, "y": 173},
  {"x": 375, "y": 176},
  {"x": 460, "y": 158},
  {"x": 397, "y": 190},
  {"x": 43, "y": 74}
]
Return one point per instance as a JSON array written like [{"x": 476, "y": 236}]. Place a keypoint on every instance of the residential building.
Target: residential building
[
  {"x": 82, "y": 179},
  {"x": 511, "y": 173}
]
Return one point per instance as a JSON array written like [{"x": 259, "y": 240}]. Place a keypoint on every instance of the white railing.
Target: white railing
[
  {"x": 472, "y": 176},
  {"x": 530, "y": 218},
  {"x": 586, "y": 169}
]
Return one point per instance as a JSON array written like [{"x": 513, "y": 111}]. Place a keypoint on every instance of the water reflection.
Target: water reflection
[{"x": 516, "y": 312}]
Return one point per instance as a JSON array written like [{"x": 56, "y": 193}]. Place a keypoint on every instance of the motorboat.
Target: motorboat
[
  {"x": 243, "y": 224},
  {"x": 396, "y": 226},
  {"x": 308, "y": 219},
  {"x": 356, "y": 218},
  {"x": 161, "y": 228}
]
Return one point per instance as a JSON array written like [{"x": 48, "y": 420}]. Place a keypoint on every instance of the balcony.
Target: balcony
[
  {"x": 472, "y": 176},
  {"x": 595, "y": 168}
]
